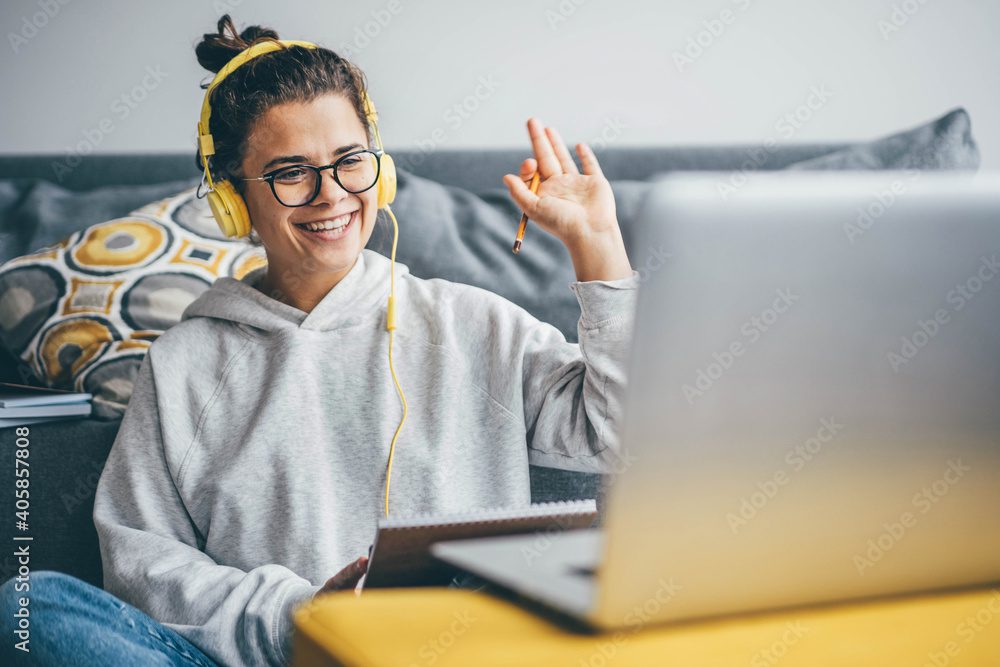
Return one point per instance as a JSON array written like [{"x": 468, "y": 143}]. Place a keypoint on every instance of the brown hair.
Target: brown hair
[{"x": 290, "y": 74}]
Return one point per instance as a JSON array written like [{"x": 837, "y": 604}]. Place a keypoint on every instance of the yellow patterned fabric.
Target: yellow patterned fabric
[
  {"x": 82, "y": 313},
  {"x": 448, "y": 627}
]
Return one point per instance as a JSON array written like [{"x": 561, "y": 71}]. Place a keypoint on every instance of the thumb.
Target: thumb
[
  {"x": 349, "y": 575},
  {"x": 525, "y": 199}
]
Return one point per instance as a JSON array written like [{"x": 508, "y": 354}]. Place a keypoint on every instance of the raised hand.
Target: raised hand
[{"x": 578, "y": 209}]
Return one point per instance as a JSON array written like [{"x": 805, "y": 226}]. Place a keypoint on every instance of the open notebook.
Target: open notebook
[{"x": 400, "y": 555}]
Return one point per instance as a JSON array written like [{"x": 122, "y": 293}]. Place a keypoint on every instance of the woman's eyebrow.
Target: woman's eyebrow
[{"x": 297, "y": 159}]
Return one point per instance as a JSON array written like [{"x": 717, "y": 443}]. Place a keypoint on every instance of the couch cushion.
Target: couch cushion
[
  {"x": 945, "y": 143},
  {"x": 36, "y": 213},
  {"x": 82, "y": 312}
]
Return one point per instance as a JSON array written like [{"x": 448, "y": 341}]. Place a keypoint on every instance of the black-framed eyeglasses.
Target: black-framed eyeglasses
[{"x": 299, "y": 184}]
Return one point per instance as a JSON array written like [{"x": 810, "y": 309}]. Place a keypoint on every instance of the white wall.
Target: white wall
[{"x": 122, "y": 76}]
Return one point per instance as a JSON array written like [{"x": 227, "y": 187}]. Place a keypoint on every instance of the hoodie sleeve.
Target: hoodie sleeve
[
  {"x": 151, "y": 555},
  {"x": 573, "y": 393}
]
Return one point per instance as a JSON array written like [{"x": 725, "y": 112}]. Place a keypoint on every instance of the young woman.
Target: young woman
[{"x": 250, "y": 464}]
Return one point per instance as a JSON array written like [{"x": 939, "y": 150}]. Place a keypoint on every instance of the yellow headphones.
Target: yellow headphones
[{"x": 230, "y": 210}]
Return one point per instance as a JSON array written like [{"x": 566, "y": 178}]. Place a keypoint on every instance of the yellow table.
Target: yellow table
[{"x": 447, "y": 627}]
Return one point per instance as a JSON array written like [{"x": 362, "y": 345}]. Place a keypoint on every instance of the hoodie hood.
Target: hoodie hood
[{"x": 360, "y": 294}]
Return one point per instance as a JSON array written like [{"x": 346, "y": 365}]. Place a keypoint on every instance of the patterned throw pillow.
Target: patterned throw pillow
[{"x": 82, "y": 312}]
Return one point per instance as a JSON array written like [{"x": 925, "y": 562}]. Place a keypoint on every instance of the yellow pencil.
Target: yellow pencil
[{"x": 524, "y": 216}]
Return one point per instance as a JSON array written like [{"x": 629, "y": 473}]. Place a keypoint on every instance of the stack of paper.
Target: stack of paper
[{"x": 23, "y": 404}]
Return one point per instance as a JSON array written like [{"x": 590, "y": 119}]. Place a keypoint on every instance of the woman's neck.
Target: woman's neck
[{"x": 296, "y": 292}]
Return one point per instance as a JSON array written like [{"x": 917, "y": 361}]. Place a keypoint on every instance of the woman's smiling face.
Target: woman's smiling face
[{"x": 304, "y": 265}]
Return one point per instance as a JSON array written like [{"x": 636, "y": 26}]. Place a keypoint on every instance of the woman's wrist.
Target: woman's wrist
[{"x": 599, "y": 256}]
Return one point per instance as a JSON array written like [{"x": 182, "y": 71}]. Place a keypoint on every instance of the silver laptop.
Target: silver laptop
[{"x": 813, "y": 409}]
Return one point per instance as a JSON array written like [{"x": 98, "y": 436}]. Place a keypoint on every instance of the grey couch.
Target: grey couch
[{"x": 460, "y": 230}]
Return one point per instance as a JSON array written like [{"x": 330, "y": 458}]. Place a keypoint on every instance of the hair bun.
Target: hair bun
[{"x": 217, "y": 49}]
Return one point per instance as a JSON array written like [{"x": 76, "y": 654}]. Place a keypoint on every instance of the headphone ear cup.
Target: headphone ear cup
[
  {"x": 229, "y": 209},
  {"x": 386, "y": 181}
]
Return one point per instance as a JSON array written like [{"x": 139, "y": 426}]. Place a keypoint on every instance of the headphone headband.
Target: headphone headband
[{"x": 206, "y": 145}]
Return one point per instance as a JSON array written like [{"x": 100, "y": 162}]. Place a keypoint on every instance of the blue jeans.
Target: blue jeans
[{"x": 71, "y": 622}]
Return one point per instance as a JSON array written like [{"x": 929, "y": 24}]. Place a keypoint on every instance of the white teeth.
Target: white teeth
[{"x": 328, "y": 225}]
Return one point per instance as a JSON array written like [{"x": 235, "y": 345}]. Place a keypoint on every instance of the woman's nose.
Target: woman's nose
[{"x": 329, "y": 189}]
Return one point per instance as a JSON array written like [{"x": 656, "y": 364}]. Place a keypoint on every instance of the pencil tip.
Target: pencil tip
[{"x": 517, "y": 247}]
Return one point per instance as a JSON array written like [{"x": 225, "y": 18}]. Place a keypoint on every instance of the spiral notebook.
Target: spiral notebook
[{"x": 400, "y": 555}]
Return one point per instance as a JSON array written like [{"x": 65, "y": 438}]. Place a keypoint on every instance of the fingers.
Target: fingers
[
  {"x": 588, "y": 160},
  {"x": 562, "y": 153},
  {"x": 349, "y": 576},
  {"x": 548, "y": 163},
  {"x": 528, "y": 168},
  {"x": 525, "y": 199}
]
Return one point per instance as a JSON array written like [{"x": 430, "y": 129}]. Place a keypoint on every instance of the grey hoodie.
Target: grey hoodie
[{"x": 250, "y": 464}]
